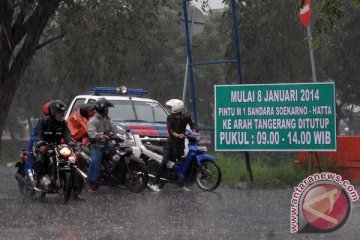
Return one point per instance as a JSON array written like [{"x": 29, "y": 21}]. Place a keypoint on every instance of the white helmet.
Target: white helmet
[
  {"x": 177, "y": 106},
  {"x": 169, "y": 103}
]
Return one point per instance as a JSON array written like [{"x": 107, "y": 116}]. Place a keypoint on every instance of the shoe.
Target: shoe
[
  {"x": 155, "y": 188},
  {"x": 90, "y": 187},
  {"x": 185, "y": 189},
  {"x": 78, "y": 198}
]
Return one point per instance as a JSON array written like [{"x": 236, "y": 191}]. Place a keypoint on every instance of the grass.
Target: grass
[
  {"x": 267, "y": 173},
  {"x": 10, "y": 150},
  {"x": 9, "y": 157}
]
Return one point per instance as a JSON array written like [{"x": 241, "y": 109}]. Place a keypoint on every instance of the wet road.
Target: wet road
[{"x": 113, "y": 213}]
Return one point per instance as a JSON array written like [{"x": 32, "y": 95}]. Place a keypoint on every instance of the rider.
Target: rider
[
  {"x": 77, "y": 122},
  {"x": 30, "y": 156},
  {"x": 50, "y": 130},
  {"x": 176, "y": 125},
  {"x": 98, "y": 126}
]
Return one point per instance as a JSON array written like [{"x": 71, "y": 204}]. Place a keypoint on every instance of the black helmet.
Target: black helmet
[
  {"x": 102, "y": 105},
  {"x": 56, "y": 106},
  {"x": 85, "y": 108}
]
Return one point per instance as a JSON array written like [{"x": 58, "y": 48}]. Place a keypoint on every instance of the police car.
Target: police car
[{"x": 145, "y": 117}]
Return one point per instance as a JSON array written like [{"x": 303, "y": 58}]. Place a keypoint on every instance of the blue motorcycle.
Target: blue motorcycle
[{"x": 197, "y": 166}]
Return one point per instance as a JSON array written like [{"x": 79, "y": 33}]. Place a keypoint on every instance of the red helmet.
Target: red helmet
[{"x": 45, "y": 108}]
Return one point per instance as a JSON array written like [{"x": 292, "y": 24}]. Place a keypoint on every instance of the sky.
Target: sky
[{"x": 214, "y": 4}]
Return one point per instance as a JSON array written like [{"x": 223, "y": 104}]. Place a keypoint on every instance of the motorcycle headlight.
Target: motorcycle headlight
[
  {"x": 203, "y": 148},
  {"x": 65, "y": 152}
]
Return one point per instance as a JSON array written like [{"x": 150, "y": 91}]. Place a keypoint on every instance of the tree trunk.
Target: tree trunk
[
  {"x": 22, "y": 34},
  {"x": 5, "y": 102}
]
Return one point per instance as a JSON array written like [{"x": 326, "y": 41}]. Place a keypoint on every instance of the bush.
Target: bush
[{"x": 267, "y": 172}]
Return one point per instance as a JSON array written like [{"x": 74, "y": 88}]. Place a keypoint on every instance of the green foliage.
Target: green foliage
[
  {"x": 331, "y": 11},
  {"x": 142, "y": 44},
  {"x": 269, "y": 40},
  {"x": 276, "y": 173}
]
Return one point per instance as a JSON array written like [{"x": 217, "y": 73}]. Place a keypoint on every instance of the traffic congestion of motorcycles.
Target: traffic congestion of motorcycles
[{"x": 133, "y": 163}]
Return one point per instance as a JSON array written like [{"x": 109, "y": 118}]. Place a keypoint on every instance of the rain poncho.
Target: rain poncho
[{"x": 77, "y": 125}]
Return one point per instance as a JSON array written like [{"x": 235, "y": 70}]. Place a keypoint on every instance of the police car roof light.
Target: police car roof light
[
  {"x": 137, "y": 92},
  {"x": 114, "y": 91},
  {"x": 103, "y": 90}
]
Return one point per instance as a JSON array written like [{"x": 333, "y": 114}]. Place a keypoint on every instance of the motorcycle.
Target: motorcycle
[
  {"x": 118, "y": 167},
  {"x": 61, "y": 176},
  {"x": 197, "y": 166}
]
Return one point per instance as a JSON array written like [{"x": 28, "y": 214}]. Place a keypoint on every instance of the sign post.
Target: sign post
[
  {"x": 197, "y": 24},
  {"x": 305, "y": 19}
]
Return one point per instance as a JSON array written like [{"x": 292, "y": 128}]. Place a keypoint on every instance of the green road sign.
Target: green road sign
[{"x": 275, "y": 117}]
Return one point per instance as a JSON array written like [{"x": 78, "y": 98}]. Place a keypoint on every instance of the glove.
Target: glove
[
  {"x": 72, "y": 144},
  {"x": 105, "y": 136}
]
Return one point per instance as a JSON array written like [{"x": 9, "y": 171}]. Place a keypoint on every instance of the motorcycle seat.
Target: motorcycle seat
[{"x": 154, "y": 148}]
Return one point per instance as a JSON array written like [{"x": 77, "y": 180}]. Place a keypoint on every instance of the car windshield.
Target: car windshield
[{"x": 126, "y": 110}]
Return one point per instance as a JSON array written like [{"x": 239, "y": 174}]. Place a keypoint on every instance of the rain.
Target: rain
[{"x": 117, "y": 213}]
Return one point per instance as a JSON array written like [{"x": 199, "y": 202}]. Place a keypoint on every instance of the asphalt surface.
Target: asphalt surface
[{"x": 114, "y": 213}]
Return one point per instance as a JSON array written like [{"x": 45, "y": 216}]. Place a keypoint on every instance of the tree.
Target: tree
[
  {"x": 330, "y": 12},
  {"x": 22, "y": 24}
]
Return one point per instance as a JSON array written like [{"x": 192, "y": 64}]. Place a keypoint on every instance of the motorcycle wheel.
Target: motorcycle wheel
[
  {"x": 137, "y": 178},
  {"x": 66, "y": 186},
  {"x": 208, "y": 176},
  {"x": 153, "y": 170},
  {"x": 25, "y": 190},
  {"x": 79, "y": 181}
]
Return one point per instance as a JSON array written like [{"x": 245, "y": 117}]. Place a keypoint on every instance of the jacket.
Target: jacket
[
  {"x": 51, "y": 131},
  {"x": 97, "y": 125},
  {"x": 77, "y": 125},
  {"x": 178, "y": 125}
]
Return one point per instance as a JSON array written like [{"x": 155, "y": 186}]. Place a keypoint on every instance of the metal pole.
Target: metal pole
[
  {"x": 185, "y": 79},
  {"x": 238, "y": 66},
  {"x": 193, "y": 94},
  {"x": 248, "y": 166},
  {"x": 311, "y": 53},
  {"x": 313, "y": 69},
  {"x": 236, "y": 41},
  {"x": 187, "y": 59}
]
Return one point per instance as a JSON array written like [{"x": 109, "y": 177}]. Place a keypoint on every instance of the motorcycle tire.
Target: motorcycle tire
[
  {"x": 66, "y": 186},
  {"x": 137, "y": 177},
  {"x": 208, "y": 176},
  {"x": 153, "y": 170},
  {"x": 78, "y": 182},
  {"x": 24, "y": 189}
]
